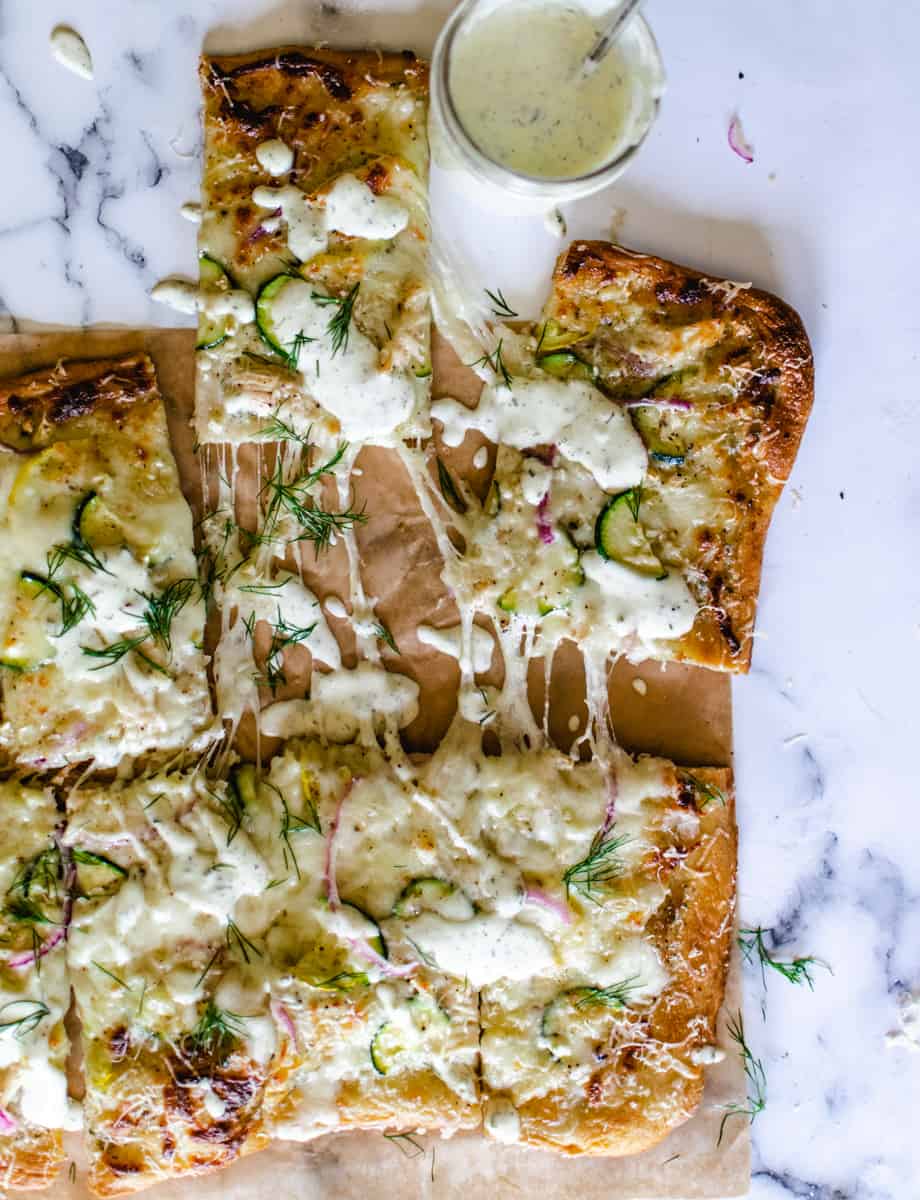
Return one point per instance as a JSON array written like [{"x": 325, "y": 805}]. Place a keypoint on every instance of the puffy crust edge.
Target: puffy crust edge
[
  {"x": 684, "y": 1016},
  {"x": 587, "y": 266},
  {"x": 45, "y": 406}
]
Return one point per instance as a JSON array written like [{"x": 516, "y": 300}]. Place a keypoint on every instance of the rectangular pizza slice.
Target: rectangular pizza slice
[
  {"x": 173, "y": 999},
  {"x": 377, "y": 1037},
  {"x": 646, "y": 425},
  {"x": 314, "y": 293},
  {"x": 596, "y": 1032},
  {"x": 101, "y": 620},
  {"x": 34, "y": 991}
]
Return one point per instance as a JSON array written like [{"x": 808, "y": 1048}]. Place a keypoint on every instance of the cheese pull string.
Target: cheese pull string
[{"x": 609, "y": 37}]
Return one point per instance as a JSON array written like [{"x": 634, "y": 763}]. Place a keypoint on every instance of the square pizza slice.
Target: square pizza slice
[
  {"x": 314, "y": 292},
  {"x": 599, "y": 1012},
  {"x": 101, "y": 620},
  {"x": 173, "y": 998},
  {"x": 377, "y": 1037},
  {"x": 647, "y": 424},
  {"x": 34, "y": 990}
]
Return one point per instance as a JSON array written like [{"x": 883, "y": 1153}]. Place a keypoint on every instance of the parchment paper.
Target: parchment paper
[{"x": 684, "y": 714}]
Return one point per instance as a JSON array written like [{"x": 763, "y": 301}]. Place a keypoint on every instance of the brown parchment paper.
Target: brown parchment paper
[{"x": 683, "y": 713}]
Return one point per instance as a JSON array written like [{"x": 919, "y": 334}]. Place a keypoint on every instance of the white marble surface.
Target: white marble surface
[{"x": 827, "y": 724}]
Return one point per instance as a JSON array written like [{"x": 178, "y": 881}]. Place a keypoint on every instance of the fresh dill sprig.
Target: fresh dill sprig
[
  {"x": 162, "y": 610},
  {"x": 340, "y": 321},
  {"x": 292, "y": 353},
  {"x": 25, "y": 1016},
  {"x": 500, "y": 306},
  {"x": 78, "y": 548},
  {"x": 210, "y": 963},
  {"x": 449, "y": 489},
  {"x": 600, "y": 866},
  {"x": 280, "y": 431},
  {"x": 216, "y": 1033},
  {"x": 406, "y": 1144},
  {"x": 495, "y": 362},
  {"x": 617, "y": 995},
  {"x": 116, "y": 651},
  {"x": 238, "y": 940},
  {"x": 293, "y": 823},
  {"x": 264, "y": 589},
  {"x": 383, "y": 633},
  {"x": 41, "y": 874},
  {"x": 111, "y": 974},
  {"x": 74, "y": 602},
  {"x": 797, "y": 970},
  {"x": 293, "y": 498},
  {"x": 232, "y": 807},
  {"x": 283, "y": 635},
  {"x": 754, "y": 1075}
]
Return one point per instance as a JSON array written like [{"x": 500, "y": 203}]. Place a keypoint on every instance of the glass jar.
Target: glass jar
[{"x": 454, "y": 148}]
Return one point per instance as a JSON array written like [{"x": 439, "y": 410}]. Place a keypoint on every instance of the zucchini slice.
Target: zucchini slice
[
  {"x": 553, "y": 337},
  {"x": 428, "y": 894},
  {"x": 244, "y": 783},
  {"x": 492, "y": 505},
  {"x": 265, "y": 302},
  {"x": 96, "y": 874},
  {"x": 376, "y": 941},
  {"x": 96, "y": 524},
  {"x": 566, "y": 364},
  {"x": 213, "y": 278},
  {"x": 406, "y": 1033},
  {"x": 618, "y": 535},
  {"x": 662, "y": 443},
  {"x": 26, "y": 644}
]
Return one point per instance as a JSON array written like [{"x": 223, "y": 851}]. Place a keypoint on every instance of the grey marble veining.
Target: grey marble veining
[{"x": 827, "y": 725}]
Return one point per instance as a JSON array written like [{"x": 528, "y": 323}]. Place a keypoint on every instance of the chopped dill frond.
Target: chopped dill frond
[
  {"x": 340, "y": 321},
  {"x": 617, "y": 995},
  {"x": 598, "y": 869},
  {"x": 22, "y": 1016},
  {"x": 754, "y": 1075},
  {"x": 500, "y": 306},
  {"x": 237, "y": 940},
  {"x": 796, "y": 970},
  {"x": 495, "y": 362}
]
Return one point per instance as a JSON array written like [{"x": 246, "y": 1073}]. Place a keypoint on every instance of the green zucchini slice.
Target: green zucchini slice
[
  {"x": 265, "y": 303},
  {"x": 406, "y": 1033},
  {"x": 212, "y": 278},
  {"x": 566, "y": 364},
  {"x": 428, "y": 894},
  {"x": 619, "y": 536},
  {"x": 663, "y": 445},
  {"x": 96, "y": 874}
]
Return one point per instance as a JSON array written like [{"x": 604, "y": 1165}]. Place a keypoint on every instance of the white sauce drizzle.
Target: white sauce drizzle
[
  {"x": 275, "y": 156},
  {"x": 70, "y": 50}
]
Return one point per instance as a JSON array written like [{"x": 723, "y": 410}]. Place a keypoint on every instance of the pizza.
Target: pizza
[
  {"x": 179, "y": 1040},
  {"x": 603, "y": 1051},
  {"x": 377, "y": 1036},
  {"x": 646, "y": 425},
  {"x": 314, "y": 292},
  {"x": 34, "y": 990},
  {"x": 101, "y": 620}
]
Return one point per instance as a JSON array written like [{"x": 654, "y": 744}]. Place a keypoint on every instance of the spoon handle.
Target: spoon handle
[{"x": 610, "y": 34}]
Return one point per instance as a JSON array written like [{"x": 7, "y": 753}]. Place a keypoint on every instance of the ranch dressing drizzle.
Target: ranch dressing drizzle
[
  {"x": 517, "y": 89},
  {"x": 70, "y": 50}
]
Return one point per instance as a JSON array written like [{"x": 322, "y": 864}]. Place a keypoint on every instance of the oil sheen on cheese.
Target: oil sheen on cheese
[{"x": 516, "y": 85}]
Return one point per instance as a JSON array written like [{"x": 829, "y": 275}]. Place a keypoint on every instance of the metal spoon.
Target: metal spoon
[{"x": 609, "y": 36}]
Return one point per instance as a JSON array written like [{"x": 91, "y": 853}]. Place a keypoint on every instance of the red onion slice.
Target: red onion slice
[
  {"x": 8, "y": 1123},
  {"x": 332, "y": 888},
  {"x": 738, "y": 142},
  {"x": 32, "y": 956},
  {"x": 543, "y": 900},
  {"x": 384, "y": 966},
  {"x": 544, "y": 524}
]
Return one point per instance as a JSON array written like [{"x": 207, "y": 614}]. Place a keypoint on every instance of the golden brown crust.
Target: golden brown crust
[
  {"x": 75, "y": 398},
  {"x": 315, "y": 100},
  {"x": 767, "y": 417},
  {"x": 650, "y": 1084},
  {"x": 30, "y": 1158}
]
